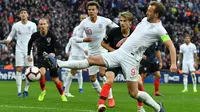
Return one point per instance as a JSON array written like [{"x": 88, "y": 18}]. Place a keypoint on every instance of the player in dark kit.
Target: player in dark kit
[
  {"x": 152, "y": 63},
  {"x": 45, "y": 42}
]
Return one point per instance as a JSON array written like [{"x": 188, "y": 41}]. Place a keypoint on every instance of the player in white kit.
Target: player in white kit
[
  {"x": 128, "y": 56},
  {"x": 189, "y": 62},
  {"x": 95, "y": 27},
  {"x": 22, "y": 32},
  {"x": 75, "y": 51}
]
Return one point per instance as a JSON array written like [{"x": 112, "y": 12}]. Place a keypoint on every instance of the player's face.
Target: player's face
[
  {"x": 187, "y": 39},
  {"x": 124, "y": 23},
  {"x": 150, "y": 13},
  {"x": 23, "y": 15},
  {"x": 92, "y": 11},
  {"x": 43, "y": 25}
]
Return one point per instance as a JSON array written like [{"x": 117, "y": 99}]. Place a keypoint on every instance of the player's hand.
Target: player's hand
[
  {"x": 29, "y": 59},
  {"x": 52, "y": 54},
  {"x": 87, "y": 39},
  {"x": 173, "y": 68},
  {"x": 86, "y": 52},
  {"x": 195, "y": 65},
  {"x": 67, "y": 54},
  {"x": 160, "y": 65},
  {"x": 121, "y": 42}
]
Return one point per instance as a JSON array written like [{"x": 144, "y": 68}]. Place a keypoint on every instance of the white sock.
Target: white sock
[
  {"x": 80, "y": 79},
  {"x": 185, "y": 81},
  {"x": 19, "y": 81},
  {"x": 104, "y": 79},
  {"x": 68, "y": 82},
  {"x": 194, "y": 79},
  {"x": 148, "y": 100},
  {"x": 96, "y": 86},
  {"x": 26, "y": 85},
  {"x": 64, "y": 76},
  {"x": 74, "y": 64},
  {"x": 110, "y": 95}
]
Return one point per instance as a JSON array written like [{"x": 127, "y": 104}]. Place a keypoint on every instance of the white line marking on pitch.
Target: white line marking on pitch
[{"x": 44, "y": 108}]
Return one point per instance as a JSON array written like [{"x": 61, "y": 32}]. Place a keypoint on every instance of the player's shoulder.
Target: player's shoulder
[
  {"x": 182, "y": 45},
  {"x": 31, "y": 23},
  {"x": 103, "y": 18},
  {"x": 192, "y": 44},
  {"x": 17, "y": 24},
  {"x": 85, "y": 21},
  {"x": 144, "y": 19}
]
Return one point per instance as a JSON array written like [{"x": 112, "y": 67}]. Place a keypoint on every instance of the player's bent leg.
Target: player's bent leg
[
  {"x": 59, "y": 87},
  {"x": 143, "y": 96},
  {"x": 80, "y": 80},
  {"x": 19, "y": 80}
]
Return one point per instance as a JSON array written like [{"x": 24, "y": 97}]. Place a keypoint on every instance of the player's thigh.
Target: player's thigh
[
  {"x": 115, "y": 71},
  {"x": 191, "y": 66},
  {"x": 112, "y": 59},
  {"x": 130, "y": 69},
  {"x": 185, "y": 67},
  {"x": 19, "y": 59}
]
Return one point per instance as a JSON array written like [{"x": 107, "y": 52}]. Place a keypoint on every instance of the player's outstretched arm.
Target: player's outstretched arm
[{"x": 172, "y": 51}]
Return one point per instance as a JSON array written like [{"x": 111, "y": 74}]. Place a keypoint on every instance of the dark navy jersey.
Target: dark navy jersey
[
  {"x": 114, "y": 36},
  {"x": 150, "y": 53},
  {"x": 47, "y": 43}
]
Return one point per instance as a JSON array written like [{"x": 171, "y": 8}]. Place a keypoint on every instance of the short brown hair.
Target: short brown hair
[
  {"x": 127, "y": 15},
  {"x": 160, "y": 8},
  {"x": 22, "y": 9},
  {"x": 93, "y": 3}
]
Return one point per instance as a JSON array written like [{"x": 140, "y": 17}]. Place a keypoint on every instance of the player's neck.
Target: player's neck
[
  {"x": 187, "y": 43},
  {"x": 125, "y": 32},
  {"x": 24, "y": 21},
  {"x": 93, "y": 19},
  {"x": 155, "y": 21}
]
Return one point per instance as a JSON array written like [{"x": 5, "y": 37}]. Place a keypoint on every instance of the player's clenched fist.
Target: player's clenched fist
[{"x": 29, "y": 59}]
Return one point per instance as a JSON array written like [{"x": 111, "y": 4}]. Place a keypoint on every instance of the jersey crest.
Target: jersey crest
[
  {"x": 88, "y": 31},
  {"x": 49, "y": 40},
  {"x": 19, "y": 32},
  {"x": 29, "y": 28}
]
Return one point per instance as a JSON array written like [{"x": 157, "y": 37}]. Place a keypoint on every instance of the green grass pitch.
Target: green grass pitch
[{"x": 174, "y": 100}]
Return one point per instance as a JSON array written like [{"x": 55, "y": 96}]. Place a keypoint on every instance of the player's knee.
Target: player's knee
[
  {"x": 92, "y": 78},
  {"x": 133, "y": 94}
]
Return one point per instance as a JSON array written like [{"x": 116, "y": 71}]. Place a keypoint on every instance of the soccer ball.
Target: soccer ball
[{"x": 33, "y": 73}]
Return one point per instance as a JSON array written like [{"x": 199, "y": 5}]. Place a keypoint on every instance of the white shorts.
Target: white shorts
[
  {"x": 21, "y": 59},
  {"x": 188, "y": 67},
  {"x": 128, "y": 63},
  {"x": 95, "y": 69}
]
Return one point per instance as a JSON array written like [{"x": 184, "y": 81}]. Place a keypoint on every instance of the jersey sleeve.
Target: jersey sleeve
[
  {"x": 80, "y": 30},
  {"x": 108, "y": 38},
  {"x": 34, "y": 28},
  {"x": 162, "y": 34},
  {"x": 12, "y": 33},
  {"x": 30, "y": 43},
  {"x": 110, "y": 24},
  {"x": 194, "y": 49},
  {"x": 68, "y": 45},
  {"x": 181, "y": 49}
]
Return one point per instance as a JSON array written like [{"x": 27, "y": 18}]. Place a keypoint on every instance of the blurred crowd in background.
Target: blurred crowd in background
[{"x": 181, "y": 17}]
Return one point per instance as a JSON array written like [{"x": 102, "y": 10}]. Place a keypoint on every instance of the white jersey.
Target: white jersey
[
  {"x": 23, "y": 33},
  {"x": 144, "y": 35},
  {"x": 188, "y": 52},
  {"x": 77, "y": 49},
  {"x": 97, "y": 31}
]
